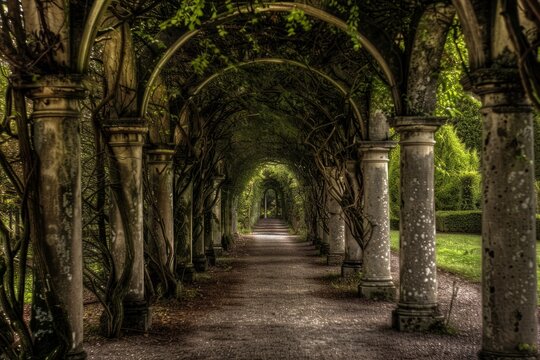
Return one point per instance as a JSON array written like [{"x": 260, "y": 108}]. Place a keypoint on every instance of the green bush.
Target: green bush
[
  {"x": 394, "y": 223},
  {"x": 468, "y": 221}
]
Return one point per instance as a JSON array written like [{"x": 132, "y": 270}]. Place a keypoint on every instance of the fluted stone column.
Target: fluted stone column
[
  {"x": 376, "y": 276},
  {"x": 56, "y": 135},
  {"x": 508, "y": 218},
  {"x": 352, "y": 263},
  {"x": 160, "y": 172},
  {"x": 184, "y": 251},
  {"x": 126, "y": 143},
  {"x": 418, "y": 307}
]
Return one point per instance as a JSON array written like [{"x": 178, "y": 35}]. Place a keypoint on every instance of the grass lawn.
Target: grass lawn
[{"x": 459, "y": 254}]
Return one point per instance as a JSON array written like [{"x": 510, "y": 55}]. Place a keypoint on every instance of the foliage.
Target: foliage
[{"x": 468, "y": 221}]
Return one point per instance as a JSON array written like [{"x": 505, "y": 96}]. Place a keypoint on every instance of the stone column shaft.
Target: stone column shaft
[
  {"x": 352, "y": 263},
  {"x": 417, "y": 308},
  {"x": 126, "y": 144},
  {"x": 56, "y": 135},
  {"x": 217, "y": 220},
  {"x": 184, "y": 242},
  {"x": 200, "y": 261},
  {"x": 376, "y": 277},
  {"x": 160, "y": 170},
  {"x": 508, "y": 218},
  {"x": 336, "y": 233}
]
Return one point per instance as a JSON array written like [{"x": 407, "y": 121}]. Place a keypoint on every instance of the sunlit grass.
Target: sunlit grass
[{"x": 460, "y": 254}]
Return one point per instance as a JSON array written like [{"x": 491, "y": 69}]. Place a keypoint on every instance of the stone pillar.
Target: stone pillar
[
  {"x": 160, "y": 173},
  {"x": 336, "y": 233},
  {"x": 56, "y": 136},
  {"x": 126, "y": 144},
  {"x": 508, "y": 218},
  {"x": 376, "y": 277},
  {"x": 217, "y": 220},
  {"x": 325, "y": 238},
  {"x": 352, "y": 263},
  {"x": 417, "y": 308},
  {"x": 200, "y": 261},
  {"x": 184, "y": 251}
]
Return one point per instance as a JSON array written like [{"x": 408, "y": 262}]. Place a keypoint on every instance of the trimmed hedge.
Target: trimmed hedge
[{"x": 466, "y": 221}]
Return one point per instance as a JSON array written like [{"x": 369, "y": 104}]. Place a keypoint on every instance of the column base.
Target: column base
[
  {"x": 334, "y": 259},
  {"x": 200, "y": 263},
  {"x": 413, "y": 318},
  {"x": 210, "y": 256},
  {"x": 377, "y": 290},
  {"x": 185, "y": 272},
  {"x": 493, "y": 355},
  {"x": 350, "y": 268},
  {"x": 79, "y": 355},
  {"x": 324, "y": 248},
  {"x": 218, "y": 251},
  {"x": 137, "y": 316}
]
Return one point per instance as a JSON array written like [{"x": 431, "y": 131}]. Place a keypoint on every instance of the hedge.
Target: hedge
[
  {"x": 469, "y": 222},
  {"x": 465, "y": 221}
]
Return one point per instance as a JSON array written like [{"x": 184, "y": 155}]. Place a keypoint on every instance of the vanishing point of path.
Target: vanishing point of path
[{"x": 276, "y": 299}]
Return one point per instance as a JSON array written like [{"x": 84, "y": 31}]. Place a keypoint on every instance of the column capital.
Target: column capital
[
  {"x": 376, "y": 151},
  {"x": 492, "y": 80},
  {"x": 417, "y": 123},
  {"x": 46, "y": 86},
  {"x": 160, "y": 155},
  {"x": 126, "y": 132},
  {"x": 366, "y": 146}
]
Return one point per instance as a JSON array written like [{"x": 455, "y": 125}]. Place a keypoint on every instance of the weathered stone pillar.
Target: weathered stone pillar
[
  {"x": 417, "y": 307},
  {"x": 336, "y": 232},
  {"x": 56, "y": 136},
  {"x": 126, "y": 144},
  {"x": 217, "y": 220},
  {"x": 508, "y": 218},
  {"x": 324, "y": 246},
  {"x": 200, "y": 261},
  {"x": 184, "y": 251},
  {"x": 376, "y": 277},
  {"x": 352, "y": 263},
  {"x": 160, "y": 173}
]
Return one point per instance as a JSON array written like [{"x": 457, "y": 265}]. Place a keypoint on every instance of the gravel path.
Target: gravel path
[{"x": 275, "y": 299}]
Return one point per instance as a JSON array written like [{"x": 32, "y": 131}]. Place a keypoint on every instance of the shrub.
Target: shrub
[
  {"x": 468, "y": 221},
  {"x": 394, "y": 223}
]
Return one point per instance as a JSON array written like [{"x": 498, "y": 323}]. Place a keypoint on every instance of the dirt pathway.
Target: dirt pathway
[{"x": 277, "y": 300}]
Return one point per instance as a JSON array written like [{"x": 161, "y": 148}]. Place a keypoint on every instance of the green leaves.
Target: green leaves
[
  {"x": 297, "y": 19},
  {"x": 189, "y": 14}
]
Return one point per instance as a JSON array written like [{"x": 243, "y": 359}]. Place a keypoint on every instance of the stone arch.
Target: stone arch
[{"x": 388, "y": 62}]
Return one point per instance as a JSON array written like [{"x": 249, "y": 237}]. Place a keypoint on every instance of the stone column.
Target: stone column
[
  {"x": 160, "y": 173},
  {"x": 56, "y": 136},
  {"x": 376, "y": 277},
  {"x": 184, "y": 251},
  {"x": 126, "y": 144},
  {"x": 336, "y": 233},
  {"x": 217, "y": 220},
  {"x": 200, "y": 261},
  {"x": 508, "y": 218},
  {"x": 417, "y": 308},
  {"x": 352, "y": 263}
]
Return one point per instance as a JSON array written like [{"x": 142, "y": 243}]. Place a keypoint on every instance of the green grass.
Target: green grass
[{"x": 460, "y": 254}]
